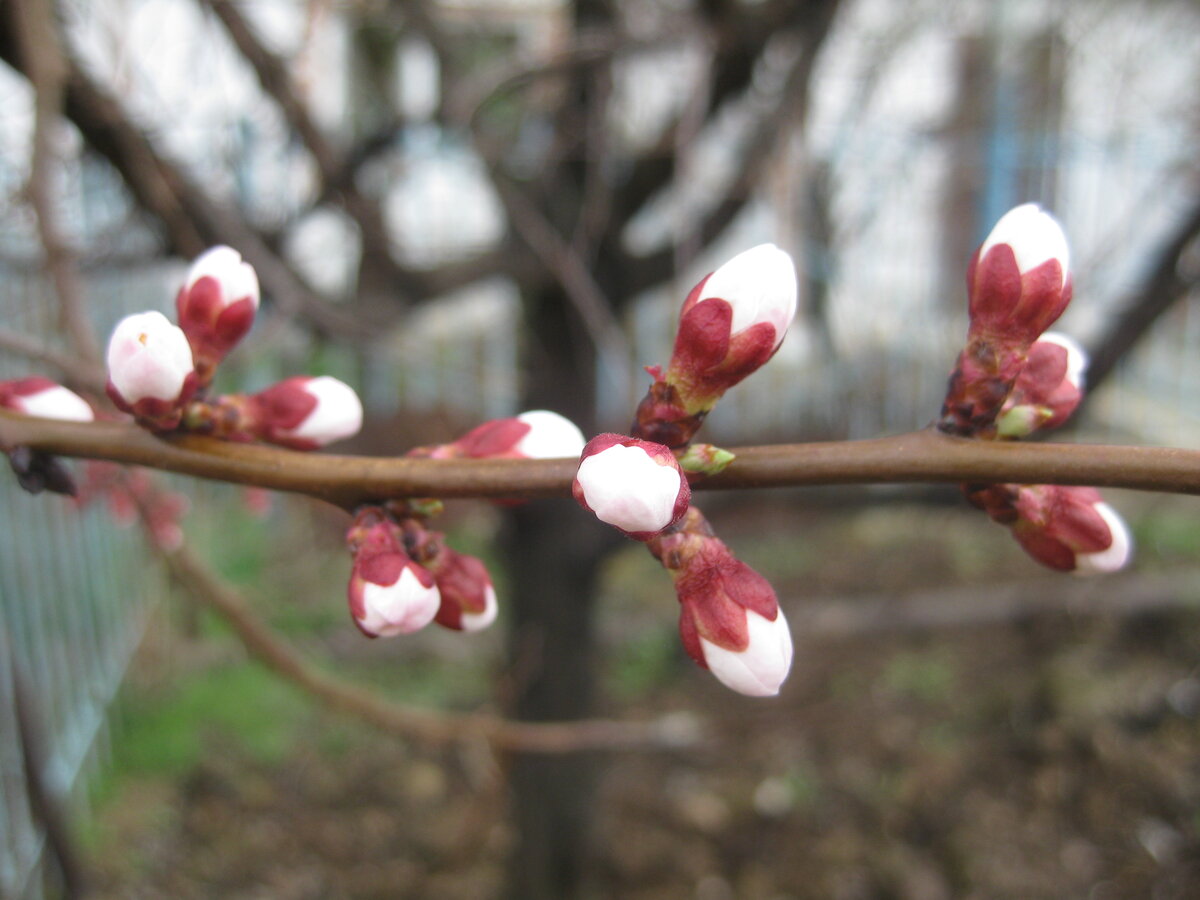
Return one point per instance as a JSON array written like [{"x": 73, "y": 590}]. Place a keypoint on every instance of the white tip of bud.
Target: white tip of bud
[
  {"x": 626, "y": 488},
  {"x": 338, "y": 412},
  {"x": 1076, "y": 356},
  {"x": 760, "y": 669},
  {"x": 1034, "y": 236},
  {"x": 481, "y": 620},
  {"x": 148, "y": 357},
  {"x": 55, "y": 402},
  {"x": 1116, "y": 555},
  {"x": 402, "y": 607},
  {"x": 237, "y": 279},
  {"x": 550, "y": 436},
  {"x": 760, "y": 285}
]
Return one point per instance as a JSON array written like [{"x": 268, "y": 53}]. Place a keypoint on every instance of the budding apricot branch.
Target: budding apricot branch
[
  {"x": 1012, "y": 380},
  {"x": 921, "y": 457}
]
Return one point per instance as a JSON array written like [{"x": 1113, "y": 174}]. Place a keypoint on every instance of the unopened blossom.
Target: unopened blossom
[
  {"x": 1019, "y": 280},
  {"x": 468, "y": 598},
  {"x": 536, "y": 434},
  {"x": 1116, "y": 555},
  {"x": 731, "y": 323},
  {"x": 1048, "y": 389},
  {"x": 636, "y": 486},
  {"x": 1067, "y": 528},
  {"x": 305, "y": 412},
  {"x": 217, "y": 305},
  {"x": 37, "y": 396},
  {"x": 760, "y": 668},
  {"x": 729, "y": 618},
  {"x": 389, "y": 593},
  {"x": 150, "y": 369},
  {"x": 1018, "y": 284}
]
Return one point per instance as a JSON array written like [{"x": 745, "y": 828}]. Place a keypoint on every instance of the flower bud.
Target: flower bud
[
  {"x": 37, "y": 396},
  {"x": 1070, "y": 529},
  {"x": 468, "y": 597},
  {"x": 1019, "y": 280},
  {"x": 216, "y": 305},
  {"x": 1048, "y": 389},
  {"x": 730, "y": 621},
  {"x": 389, "y": 594},
  {"x": 634, "y": 485},
  {"x": 536, "y": 434},
  {"x": 150, "y": 371},
  {"x": 305, "y": 413},
  {"x": 732, "y": 322}
]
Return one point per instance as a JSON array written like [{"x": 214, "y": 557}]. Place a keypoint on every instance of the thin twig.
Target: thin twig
[
  {"x": 426, "y": 726},
  {"x": 348, "y": 481},
  {"x": 75, "y": 372}
]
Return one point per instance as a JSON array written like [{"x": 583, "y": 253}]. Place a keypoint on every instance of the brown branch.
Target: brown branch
[
  {"x": 276, "y": 81},
  {"x": 427, "y": 726},
  {"x": 571, "y": 271},
  {"x": 191, "y": 219},
  {"x": 76, "y": 373},
  {"x": 926, "y": 456},
  {"x": 42, "y": 56},
  {"x": 1164, "y": 284},
  {"x": 758, "y": 147},
  {"x": 971, "y": 606}
]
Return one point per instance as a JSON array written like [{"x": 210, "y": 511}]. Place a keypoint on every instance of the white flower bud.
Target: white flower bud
[
  {"x": 148, "y": 358},
  {"x": 1034, "y": 236},
  {"x": 550, "y": 436},
  {"x": 760, "y": 285},
  {"x": 760, "y": 669}
]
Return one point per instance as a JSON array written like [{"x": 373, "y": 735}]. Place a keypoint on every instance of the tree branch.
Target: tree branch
[
  {"x": 926, "y": 456},
  {"x": 427, "y": 726},
  {"x": 276, "y": 81},
  {"x": 191, "y": 219},
  {"x": 1164, "y": 284},
  {"x": 42, "y": 54}
]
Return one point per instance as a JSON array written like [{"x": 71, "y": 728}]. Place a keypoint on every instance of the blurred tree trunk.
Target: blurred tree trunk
[{"x": 553, "y": 555}]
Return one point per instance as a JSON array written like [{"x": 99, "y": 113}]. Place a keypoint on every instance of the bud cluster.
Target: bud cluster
[
  {"x": 1018, "y": 284},
  {"x": 731, "y": 323},
  {"x": 1013, "y": 380},
  {"x": 160, "y": 372},
  {"x": 404, "y": 577}
]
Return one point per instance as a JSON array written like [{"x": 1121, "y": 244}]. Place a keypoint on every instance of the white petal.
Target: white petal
[
  {"x": 400, "y": 608},
  {"x": 236, "y": 278},
  {"x": 624, "y": 487},
  {"x": 148, "y": 356},
  {"x": 1118, "y": 552},
  {"x": 1035, "y": 236},
  {"x": 57, "y": 403},
  {"x": 760, "y": 285},
  {"x": 480, "y": 620},
  {"x": 1076, "y": 356},
  {"x": 760, "y": 669},
  {"x": 550, "y": 436},
  {"x": 337, "y": 415}
]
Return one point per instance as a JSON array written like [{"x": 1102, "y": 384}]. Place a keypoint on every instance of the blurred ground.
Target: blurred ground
[{"x": 939, "y": 736}]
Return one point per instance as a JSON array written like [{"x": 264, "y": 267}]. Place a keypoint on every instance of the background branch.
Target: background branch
[{"x": 427, "y": 726}]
